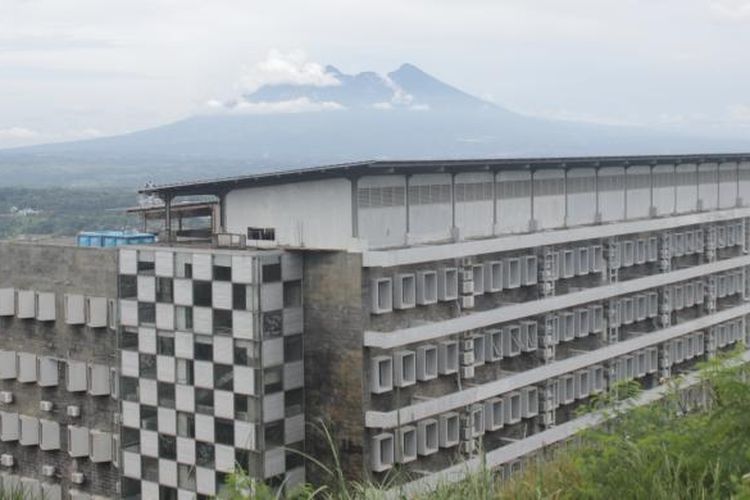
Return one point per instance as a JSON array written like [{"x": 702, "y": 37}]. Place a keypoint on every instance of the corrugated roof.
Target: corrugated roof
[{"x": 375, "y": 167}]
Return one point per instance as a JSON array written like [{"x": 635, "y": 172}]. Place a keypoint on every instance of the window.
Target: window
[
  {"x": 166, "y": 395},
  {"x": 382, "y": 299},
  {"x": 146, "y": 264},
  {"x": 167, "y": 447},
  {"x": 292, "y": 293},
  {"x": 131, "y": 439},
  {"x": 273, "y": 434},
  {"x": 273, "y": 324},
  {"x": 248, "y": 408},
  {"x": 183, "y": 318},
  {"x": 147, "y": 365},
  {"x": 129, "y": 339},
  {"x": 186, "y": 476},
  {"x": 261, "y": 233},
  {"x": 184, "y": 371},
  {"x": 165, "y": 343},
  {"x": 204, "y": 454},
  {"x": 185, "y": 425},
  {"x": 293, "y": 348},
  {"x": 202, "y": 295},
  {"x": 223, "y": 377},
  {"x": 271, "y": 272},
  {"x": 239, "y": 297},
  {"x": 222, "y": 321},
  {"x": 222, "y": 273},
  {"x": 204, "y": 401},
  {"x": 183, "y": 265},
  {"x": 149, "y": 468},
  {"x": 164, "y": 290},
  {"x": 146, "y": 313},
  {"x": 203, "y": 348},
  {"x": 273, "y": 379},
  {"x": 293, "y": 402},
  {"x": 129, "y": 388},
  {"x": 247, "y": 353},
  {"x": 224, "y": 431},
  {"x": 148, "y": 417},
  {"x": 128, "y": 287}
]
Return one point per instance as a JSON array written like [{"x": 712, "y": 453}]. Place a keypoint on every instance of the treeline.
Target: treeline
[{"x": 64, "y": 211}]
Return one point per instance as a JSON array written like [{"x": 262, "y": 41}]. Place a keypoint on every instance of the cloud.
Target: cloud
[
  {"x": 733, "y": 10},
  {"x": 290, "y": 68},
  {"x": 301, "y": 105},
  {"x": 17, "y": 134}
]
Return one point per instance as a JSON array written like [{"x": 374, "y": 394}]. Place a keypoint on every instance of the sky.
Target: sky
[{"x": 73, "y": 69}]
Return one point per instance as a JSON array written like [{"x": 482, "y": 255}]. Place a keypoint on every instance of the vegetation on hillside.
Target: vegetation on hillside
[
  {"x": 63, "y": 212},
  {"x": 666, "y": 450}
]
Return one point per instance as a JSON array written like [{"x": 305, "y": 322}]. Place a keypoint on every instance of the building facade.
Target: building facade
[{"x": 424, "y": 311}]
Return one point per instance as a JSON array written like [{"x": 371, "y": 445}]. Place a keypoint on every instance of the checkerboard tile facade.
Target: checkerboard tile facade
[{"x": 212, "y": 372}]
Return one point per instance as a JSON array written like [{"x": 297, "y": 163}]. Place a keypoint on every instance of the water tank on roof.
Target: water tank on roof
[{"x": 110, "y": 239}]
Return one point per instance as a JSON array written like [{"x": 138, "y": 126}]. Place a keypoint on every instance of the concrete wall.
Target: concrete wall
[
  {"x": 314, "y": 214},
  {"x": 60, "y": 270},
  {"x": 334, "y": 371}
]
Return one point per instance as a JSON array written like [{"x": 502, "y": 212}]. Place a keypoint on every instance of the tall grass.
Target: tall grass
[{"x": 666, "y": 450}]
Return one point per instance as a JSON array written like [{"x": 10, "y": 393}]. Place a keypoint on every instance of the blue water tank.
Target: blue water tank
[{"x": 111, "y": 239}]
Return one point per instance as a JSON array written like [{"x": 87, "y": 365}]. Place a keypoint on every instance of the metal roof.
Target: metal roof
[{"x": 376, "y": 167}]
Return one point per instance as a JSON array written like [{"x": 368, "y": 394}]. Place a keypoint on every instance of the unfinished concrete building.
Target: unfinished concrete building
[{"x": 425, "y": 310}]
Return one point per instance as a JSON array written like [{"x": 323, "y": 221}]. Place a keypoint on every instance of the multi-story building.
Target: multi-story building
[{"x": 424, "y": 310}]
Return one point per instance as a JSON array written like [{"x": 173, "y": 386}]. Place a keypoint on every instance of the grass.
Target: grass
[{"x": 666, "y": 450}]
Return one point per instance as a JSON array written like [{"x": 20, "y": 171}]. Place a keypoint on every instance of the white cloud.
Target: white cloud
[
  {"x": 301, "y": 105},
  {"x": 733, "y": 10},
  {"x": 17, "y": 134},
  {"x": 290, "y": 67}
]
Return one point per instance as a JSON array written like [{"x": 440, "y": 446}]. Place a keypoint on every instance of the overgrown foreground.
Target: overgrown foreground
[{"x": 662, "y": 451}]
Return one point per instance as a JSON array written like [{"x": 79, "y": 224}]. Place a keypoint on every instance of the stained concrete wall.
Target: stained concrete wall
[
  {"x": 61, "y": 270},
  {"x": 334, "y": 382}
]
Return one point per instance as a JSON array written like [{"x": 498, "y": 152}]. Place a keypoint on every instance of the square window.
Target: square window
[
  {"x": 224, "y": 431},
  {"x": 222, "y": 322},
  {"x": 146, "y": 313},
  {"x": 148, "y": 417},
  {"x": 167, "y": 447},
  {"x": 185, "y": 425},
  {"x": 273, "y": 324},
  {"x": 165, "y": 393},
  {"x": 186, "y": 477},
  {"x": 239, "y": 297},
  {"x": 184, "y": 369},
  {"x": 247, "y": 353},
  {"x": 222, "y": 273},
  {"x": 292, "y": 293},
  {"x": 204, "y": 401},
  {"x": 203, "y": 348},
  {"x": 293, "y": 348},
  {"x": 271, "y": 273},
  {"x": 131, "y": 439},
  {"x": 204, "y": 454},
  {"x": 293, "y": 402},
  {"x": 146, "y": 264},
  {"x": 129, "y": 388},
  {"x": 128, "y": 287},
  {"x": 129, "y": 339},
  {"x": 273, "y": 434},
  {"x": 247, "y": 408},
  {"x": 147, "y": 365},
  {"x": 167, "y": 493},
  {"x": 223, "y": 377},
  {"x": 202, "y": 293},
  {"x": 273, "y": 379},
  {"x": 164, "y": 290},
  {"x": 183, "y": 318},
  {"x": 150, "y": 469},
  {"x": 165, "y": 343}
]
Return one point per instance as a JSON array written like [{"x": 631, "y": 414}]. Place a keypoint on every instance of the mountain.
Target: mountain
[{"x": 404, "y": 114}]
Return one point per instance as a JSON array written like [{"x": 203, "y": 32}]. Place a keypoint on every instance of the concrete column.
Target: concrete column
[{"x": 168, "y": 216}]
